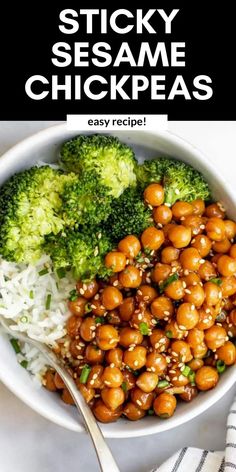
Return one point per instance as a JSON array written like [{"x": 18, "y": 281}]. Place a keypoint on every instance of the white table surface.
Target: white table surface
[{"x": 29, "y": 443}]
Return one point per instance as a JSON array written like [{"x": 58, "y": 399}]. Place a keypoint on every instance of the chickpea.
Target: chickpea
[
  {"x": 73, "y": 325},
  {"x": 187, "y": 316},
  {"x": 130, "y": 336},
  {"x": 175, "y": 290},
  {"x": 176, "y": 377},
  {"x": 232, "y": 251},
  {"x": 87, "y": 329},
  {"x": 195, "y": 337},
  {"x": 172, "y": 330},
  {"x": 129, "y": 379},
  {"x": 227, "y": 353},
  {"x": 95, "y": 377},
  {"x": 144, "y": 316},
  {"x": 77, "y": 307},
  {"x": 159, "y": 340},
  {"x": 202, "y": 243},
  {"x": 160, "y": 272},
  {"x": 93, "y": 354},
  {"x": 126, "y": 309},
  {"x": 206, "y": 317},
  {"x": 135, "y": 359},
  {"x": 114, "y": 356},
  {"x": 49, "y": 381},
  {"x": 146, "y": 294},
  {"x": 133, "y": 412},
  {"x": 195, "y": 223},
  {"x": 189, "y": 393},
  {"x": 66, "y": 397},
  {"x": 154, "y": 195},
  {"x": 142, "y": 399},
  {"x": 58, "y": 381},
  {"x": 213, "y": 210},
  {"x": 97, "y": 307},
  {"x": 107, "y": 337},
  {"x": 169, "y": 254},
  {"x": 156, "y": 363},
  {"x": 112, "y": 377},
  {"x": 206, "y": 271},
  {"x": 113, "y": 318},
  {"x": 180, "y": 236},
  {"x": 115, "y": 260},
  {"x": 76, "y": 348},
  {"x": 232, "y": 317},
  {"x": 190, "y": 259},
  {"x": 215, "y": 229},
  {"x": 181, "y": 209},
  {"x": 166, "y": 230},
  {"x": 228, "y": 286},
  {"x": 226, "y": 265},
  {"x": 194, "y": 295},
  {"x": 147, "y": 381},
  {"x": 162, "y": 215},
  {"x": 162, "y": 307},
  {"x": 222, "y": 247},
  {"x": 198, "y": 207},
  {"x": 230, "y": 229},
  {"x": 114, "y": 281},
  {"x": 164, "y": 405},
  {"x": 88, "y": 289},
  {"x": 105, "y": 414},
  {"x": 181, "y": 351},
  {"x": 113, "y": 397},
  {"x": 215, "y": 337},
  {"x": 111, "y": 298},
  {"x": 199, "y": 351},
  {"x": 206, "y": 378},
  {"x": 213, "y": 293},
  {"x": 195, "y": 364},
  {"x": 130, "y": 246},
  {"x": 130, "y": 277},
  {"x": 87, "y": 392},
  {"x": 152, "y": 238},
  {"x": 191, "y": 279}
]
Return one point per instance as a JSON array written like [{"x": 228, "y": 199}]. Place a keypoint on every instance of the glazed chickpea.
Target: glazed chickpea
[
  {"x": 167, "y": 228},
  {"x": 152, "y": 238},
  {"x": 126, "y": 309},
  {"x": 49, "y": 381},
  {"x": 206, "y": 378},
  {"x": 180, "y": 236},
  {"x": 199, "y": 351},
  {"x": 156, "y": 363},
  {"x": 206, "y": 271},
  {"x": 129, "y": 379},
  {"x": 115, "y": 260},
  {"x": 175, "y": 290},
  {"x": 66, "y": 397},
  {"x": 213, "y": 210},
  {"x": 147, "y": 381},
  {"x": 87, "y": 329},
  {"x": 215, "y": 229},
  {"x": 88, "y": 289},
  {"x": 135, "y": 359},
  {"x": 162, "y": 215},
  {"x": 198, "y": 207},
  {"x": 189, "y": 393},
  {"x": 113, "y": 397},
  {"x": 130, "y": 336},
  {"x": 130, "y": 277},
  {"x": 133, "y": 412},
  {"x": 206, "y": 317},
  {"x": 213, "y": 293},
  {"x": 191, "y": 279},
  {"x": 172, "y": 331},
  {"x": 222, "y": 247},
  {"x": 195, "y": 364},
  {"x": 76, "y": 348},
  {"x": 107, "y": 337},
  {"x": 181, "y": 351},
  {"x": 232, "y": 251},
  {"x": 190, "y": 259},
  {"x": 146, "y": 294},
  {"x": 230, "y": 229},
  {"x": 227, "y": 353},
  {"x": 113, "y": 318},
  {"x": 159, "y": 340},
  {"x": 87, "y": 392},
  {"x": 181, "y": 209},
  {"x": 98, "y": 308},
  {"x": 93, "y": 354},
  {"x": 202, "y": 243},
  {"x": 195, "y": 295},
  {"x": 111, "y": 298},
  {"x": 114, "y": 356},
  {"x": 58, "y": 381},
  {"x": 105, "y": 414},
  {"x": 169, "y": 254},
  {"x": 215, "y": 337},
  {"x": 77, "y": 307},
  {"x": 226, "y": 265},
  {"x": 162, "y": 307},
  {"x": 195, "y": 337},
  {"x": 144, "y": 316},
  {"x": 130, "y": 246},
  {"x": 73, "y": 325},
  {"x": 95, "y": 377},
  {"x": 142, "y": 399},
  {"x": 114, "y": 281},
  {"x": 164, "y": 405},
  {"x": 195, "y": 223},
  {"x": 112, "y": 377},
  {"x": 154, "y": 195},
  {"x": 228, "y": 286},
  {"x": 177, "y": 378},
  {"x": 187, "y": 316},
  {"x": 160, "y": 272},
  {"x": 232, "y": 317}
]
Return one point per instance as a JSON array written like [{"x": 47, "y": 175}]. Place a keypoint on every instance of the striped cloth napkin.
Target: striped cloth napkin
[{"x": 190, "y": 459}]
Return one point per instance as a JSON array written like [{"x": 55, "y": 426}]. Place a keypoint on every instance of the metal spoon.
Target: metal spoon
[{"x": 106, "y": 460}]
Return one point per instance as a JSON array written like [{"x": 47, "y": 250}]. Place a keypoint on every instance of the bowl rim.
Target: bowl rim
[{"x": 54, "y": 131}]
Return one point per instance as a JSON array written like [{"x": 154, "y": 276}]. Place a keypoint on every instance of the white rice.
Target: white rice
[{"x": 23, "y": 297}]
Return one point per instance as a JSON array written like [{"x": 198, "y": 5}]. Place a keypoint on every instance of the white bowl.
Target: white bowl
[{"x": 44, "y": 146}]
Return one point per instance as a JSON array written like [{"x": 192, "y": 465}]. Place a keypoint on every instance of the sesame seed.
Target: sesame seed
[
  {"x": 99, "y": 235},
  {"x": 106, "y": 382},
  {"x": 186, "y": 272},
  {"x": 152, "y": 369},
  {"x": 139, "y": 402},
  {"x": 182, "y": 327},
  {"x": 230, "y": 334},
  {"x": 210, "y": 317},
  {"x": 184, "y": 285},
  {"x": 183, "y": 358},
  {"x": 93, "y": 307},
  {"x": 174, "y": 378},
  {"x": 135, "y": 363},
  {"x": 79, "y": 357},
  {"x": 162, "y": 341},
  {"x": 188, "y": 291},
  {"x": 92, "y": 382},
  {"x": 157, "y": 345},
  {"x": 139, "y": 316},
  {"x": 202, "y": 226},
  {"x": 96, "y": 296},
  {"x": 208, "y": 310},
  {"x": 140, "y": 273},
  {"x": 139, "y": 292},
  {"x": 192, "y": 307},
  {"x": 116, "y": 283},
  {"x": 148, "y": 280},
  {"x": 172, "y": 371},
  {"x": 230, "y": 325},
  {"x": 168, "y": 359},
  {"x": 177, "y": 191},
  {"x": 92, "y": 328},
  {"x": 153, "y": 321},
  {"x": 205, "y": 321},
  {"x": 131, "y": 348},
  {"x": 167, "y": 204},
  {"x": 194, "y": 283},
  {"x": 96, "y": 251},
  {"x": 150, "y": 206},
  {"x": 182, "y": 218},
  {"x": 195, "y": 231},
  {"x": 174, "y": 354},
  {"x": 166, "y": 318},
  {"x": 159, "y": 225},
  {"x": 202, "y": 261},
  {"x": 167, "y": 378},
  {"x": 97, "y": 395},
  {"x": 166, "y": 312},
  {"x": 95, "y": 376},
  {"x": 112, "y": 365},
  {"x": 81, "y": 291}
]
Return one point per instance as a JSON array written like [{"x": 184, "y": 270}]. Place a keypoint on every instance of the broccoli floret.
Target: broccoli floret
[
  {"x": 30, "y": 206},
  {"x": 151, "y": 171},
  {"x": 85, "y": 201},
  {"x": 82, "y": 252},
  {"x": 113, "y": 161},
  {"x": 129, "y": 215}
]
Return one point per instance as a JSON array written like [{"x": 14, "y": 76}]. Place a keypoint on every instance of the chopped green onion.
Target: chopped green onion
[
  {"x": 167, "y": 282},
  {"x": 216, "y": 280},
  {"x": 220, "y": 365},
  {"x": 88, "y": 308},
  {"x": 73, "y": 295},
  {"x": 31, "y": 294},
  {"x": 150, "y": 412},
  {"x": 143, "y": 328},
  {"x": 191, "y": 377},
  {"x": 186, "y": 371},
  {"x": 15, "y": 345},
  {"x": 147, "y": 251},
  {"x": 139, "y": 257},
  {"x": 24, "y": 319},
  {"x": 169, "y": 334},
  {"x": 43, "y": 271},
  {"x": 124, "y": 386},
  {"x": 163, "y": 384},
  {"x": 221, "y": 316},
  {"x": 84, "y": 374},
  {"x": 100, "y": 319},
  {"x": 61, "y": 273},
  {"x": 24, "y": 364},
  {"x": 48, "y": 301}
]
